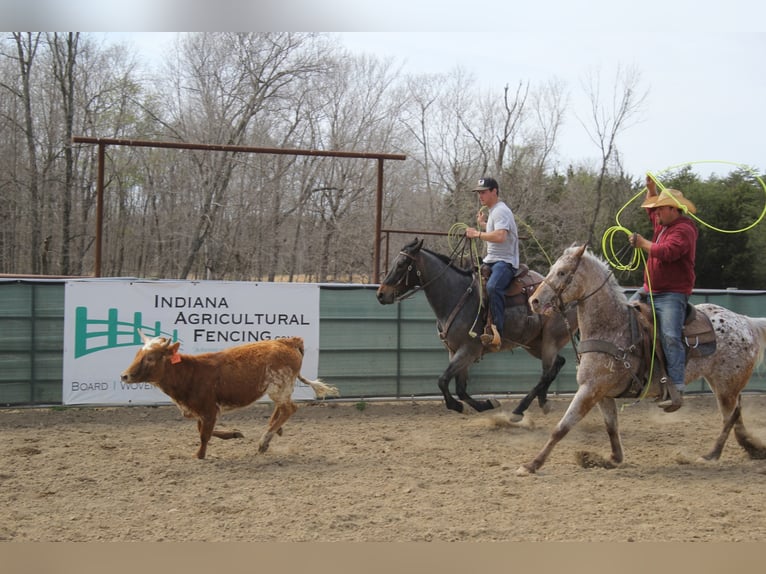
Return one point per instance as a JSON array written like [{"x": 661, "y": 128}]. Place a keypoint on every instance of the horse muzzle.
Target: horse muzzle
[
  {"x": 541, "y": 308},
  {"x": 385, "y": 295}
]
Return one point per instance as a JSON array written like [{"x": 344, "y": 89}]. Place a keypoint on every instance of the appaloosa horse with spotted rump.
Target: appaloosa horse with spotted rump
[{"x": 604, "y": 317}]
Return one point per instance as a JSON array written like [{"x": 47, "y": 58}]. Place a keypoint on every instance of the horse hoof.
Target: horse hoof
[
  {"x": 546, "y": 408},
  {"x": 515, "y": 418},
  {"x": 523, "y": 471},
  {"x": 494, "y": 403}
]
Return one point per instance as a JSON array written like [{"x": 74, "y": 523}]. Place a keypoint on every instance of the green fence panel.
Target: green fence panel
[
  {"x": 366, "y": 349},
  {"x": 31, "y": 342}
]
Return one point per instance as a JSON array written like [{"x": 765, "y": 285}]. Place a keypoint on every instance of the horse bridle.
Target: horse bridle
[
  {"x": 411, "y": 293},
  {"x": 560, "y": 290},
  {"x": 558, "y": 293}
]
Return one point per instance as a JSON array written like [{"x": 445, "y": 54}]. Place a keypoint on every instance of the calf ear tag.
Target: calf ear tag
[{"x": 175, "y": 358}]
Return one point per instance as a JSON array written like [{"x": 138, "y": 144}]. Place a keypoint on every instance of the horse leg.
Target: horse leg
[
  {"x": 459, "y": 363},
  {"x": 735, "y": 417},
  {"x": 727, "y": 394},
  {"x": 583, "y": 401},
  {"x": 449, "y": 400},
  {"x": 518, "y": 413},
  {"x": 608, "y": 408},
  {"x": 754, "y": 448},
  {"x": 461, "y": 387},
  {"x": 539, "y": 391},
  {"x": 550, "y": 376},
  {"x": 732, "y": 418}
]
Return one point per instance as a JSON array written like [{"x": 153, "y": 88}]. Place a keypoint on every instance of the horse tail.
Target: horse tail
[{"x": 759, "y": 326}]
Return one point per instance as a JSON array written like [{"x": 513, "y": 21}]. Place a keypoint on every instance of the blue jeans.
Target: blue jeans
[
  {"x": 497, "y": 284},
  {"x": 670, "y": 309}
]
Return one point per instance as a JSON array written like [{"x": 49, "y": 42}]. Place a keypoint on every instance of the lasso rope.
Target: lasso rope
[
  {"x": 455, "y": 237},
  {"x": 539, "y": 245},
  {"x": 638, "y": 259},
  {"x": 607, "y": 240}
]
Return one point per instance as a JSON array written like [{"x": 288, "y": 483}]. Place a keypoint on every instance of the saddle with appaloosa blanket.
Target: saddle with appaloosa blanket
[{"x": 698, "y": 337}]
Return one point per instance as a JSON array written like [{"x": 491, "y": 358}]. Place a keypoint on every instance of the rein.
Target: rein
[
  {"x": 411, "y": 293},
  {"x": 407, "y": 293}
]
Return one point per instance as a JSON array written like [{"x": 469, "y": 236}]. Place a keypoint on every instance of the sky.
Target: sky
[
  {"x": 704, "y": 92},
  {"x": 699, "y": 62}
]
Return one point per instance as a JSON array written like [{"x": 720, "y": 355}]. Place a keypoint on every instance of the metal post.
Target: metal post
[
  {"x": 99, "y": 209},
  {"x": 378, "y": 224}
]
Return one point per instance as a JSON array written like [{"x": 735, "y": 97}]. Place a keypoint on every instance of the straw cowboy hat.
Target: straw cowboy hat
[{"x": 671, "y": 197}]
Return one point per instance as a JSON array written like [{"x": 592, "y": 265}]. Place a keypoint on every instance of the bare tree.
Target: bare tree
[
  {"x": 355, "y": 116},
  {"x": 608, "y": 119},
  {"x": 222, "y": 84},
  {"x": 64, "y": 56},
  {"x": 27, "y": 45},
  {"x": 171, "y": 213}
]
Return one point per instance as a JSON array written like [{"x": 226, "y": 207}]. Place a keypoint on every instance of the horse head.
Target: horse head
[
  {"x": 403, "y": 276},
  {"x": 558, "y": 287}
]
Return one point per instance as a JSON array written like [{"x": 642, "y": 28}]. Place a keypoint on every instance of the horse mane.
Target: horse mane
[
  {"x": 451, "y": 262},
  {"x": 600, "y": 262}
]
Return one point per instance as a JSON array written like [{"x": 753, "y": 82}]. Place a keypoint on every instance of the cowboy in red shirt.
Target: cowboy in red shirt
[{"x": 669, "y": 275}]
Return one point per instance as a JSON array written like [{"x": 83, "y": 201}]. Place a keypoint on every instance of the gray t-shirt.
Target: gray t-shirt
[{"x": 501, "y": 217}]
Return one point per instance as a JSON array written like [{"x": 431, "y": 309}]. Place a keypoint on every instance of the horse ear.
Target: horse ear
[
  {"x": 144, "y": 338},
  {"x": 581, "y": 250},
  {"x": 420, "y": 243}
]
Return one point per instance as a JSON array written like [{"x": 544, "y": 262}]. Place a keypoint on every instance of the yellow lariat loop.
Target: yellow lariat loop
[
  {"x": 741, "y": 166},
  {"x": 607, "y": 240},
  {"x": 608, "y": 249}
]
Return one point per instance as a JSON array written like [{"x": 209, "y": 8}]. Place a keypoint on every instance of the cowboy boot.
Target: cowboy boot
[
  {"x": 491, "y": 342},
  {"x": 675, "y": 397}
]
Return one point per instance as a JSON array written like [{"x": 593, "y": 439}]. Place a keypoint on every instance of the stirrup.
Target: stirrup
[{"x": 493, "y": 341}]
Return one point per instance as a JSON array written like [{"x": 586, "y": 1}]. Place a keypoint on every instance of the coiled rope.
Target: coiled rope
[{"x": 608, "y": 241}]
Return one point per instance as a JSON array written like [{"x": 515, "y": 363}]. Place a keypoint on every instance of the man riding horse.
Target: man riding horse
[
  {"x": 502, "y": 239},
  {"x": 669, "y": 277}
]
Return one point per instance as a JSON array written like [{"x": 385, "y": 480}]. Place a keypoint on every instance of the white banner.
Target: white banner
[{"x": 102, "y": 318}]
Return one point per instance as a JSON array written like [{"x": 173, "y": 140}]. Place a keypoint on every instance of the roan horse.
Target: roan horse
[
  {"x": 604, "y": 320},
  {"x": 453, "y": 294}
]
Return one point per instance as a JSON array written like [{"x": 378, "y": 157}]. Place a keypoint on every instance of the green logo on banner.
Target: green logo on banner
[{"x": 94, "y": 335}]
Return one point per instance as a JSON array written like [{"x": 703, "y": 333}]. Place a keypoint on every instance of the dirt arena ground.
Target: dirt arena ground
[{"x": 387, "y": 472}]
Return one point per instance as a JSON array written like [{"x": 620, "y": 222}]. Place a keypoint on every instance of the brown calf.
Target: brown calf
[{"x": 204, "y": 385}]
